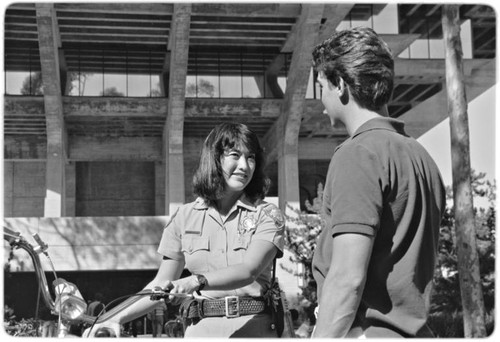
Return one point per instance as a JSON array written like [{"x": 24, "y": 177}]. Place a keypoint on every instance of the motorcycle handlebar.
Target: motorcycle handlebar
[{"x": 15, "y": 239}]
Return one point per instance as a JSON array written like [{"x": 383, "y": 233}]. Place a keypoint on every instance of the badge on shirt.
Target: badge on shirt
[
  {"x": 275, "y": 213},
  {"x": 248, "y": 224}
]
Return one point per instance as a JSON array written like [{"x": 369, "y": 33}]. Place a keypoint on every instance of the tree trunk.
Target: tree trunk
[{"x": 468, "y": 262}]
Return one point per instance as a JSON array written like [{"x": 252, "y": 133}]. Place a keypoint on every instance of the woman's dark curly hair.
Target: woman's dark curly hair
[
  {"x": 363, "y": 60},
  {"x": 208, "y": 180}
]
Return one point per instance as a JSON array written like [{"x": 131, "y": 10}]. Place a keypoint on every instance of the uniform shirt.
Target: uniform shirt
[
  {"x": 384, "y": 184},
  {"x": 197, "y": 236}
]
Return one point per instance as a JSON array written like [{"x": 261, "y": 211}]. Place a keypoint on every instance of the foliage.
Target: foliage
[
  {"x": 111, "y": 91},
  {"x": 32, "y": 84},
  {"x": 446, "y": 319},
  {"x": 22, "y": 328},
  {"x": 202, "y": 89},
  {"x": 446, "y": 300},
  {"x": 302, "y": 231}
]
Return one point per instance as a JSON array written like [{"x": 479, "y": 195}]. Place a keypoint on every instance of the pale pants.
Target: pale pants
[
  {"x": 356, "y": 332},
  {"x": 244, "y": 326}
]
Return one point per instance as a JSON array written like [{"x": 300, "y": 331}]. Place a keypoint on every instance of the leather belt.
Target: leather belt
[{"x": 231, "y": 306}]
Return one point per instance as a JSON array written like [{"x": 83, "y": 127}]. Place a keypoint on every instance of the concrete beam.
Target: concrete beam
[
  {"x": 174, "y": 129},
  {"x": 112, "y": 107},
  {"x": 204, "y": 8},
  {"x": 49, "y": 43},
  {"x": 271, "y": 76},
  {"x": 121, "y": 7},
  {"x": 399, "y": 42},
  {"x": 432, "y": 70},
  {"x": 233, "y": 107},
  {"x": 115, "y": 149},
  {"x": 434, "y": 110},
  {"x": 248, "y": 9},
  {"x": 334, "y": 14}
]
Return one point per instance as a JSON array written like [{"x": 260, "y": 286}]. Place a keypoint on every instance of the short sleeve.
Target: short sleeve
[
  {"x": 271, "y": 227},
  {"x": 355, "y": 187},
  {"x": 170, "y": 243}
]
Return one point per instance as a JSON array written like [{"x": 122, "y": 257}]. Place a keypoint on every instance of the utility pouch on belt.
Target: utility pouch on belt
[
  {"x": 189, "y": 312},
  {"x": 276, "y": 300}
]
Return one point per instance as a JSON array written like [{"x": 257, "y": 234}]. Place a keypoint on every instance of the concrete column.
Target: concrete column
[
  {"x": 271, "y": 76},
  {"x": 288, "y": 180},
  {"x": 70, "y": 176},
  {"x": 288, "y": 125},
  {"x": 49, "y": 43},
  {"x": 8, "y": 189},
  {"x": 179, "y": 46},
  {"x": 160, "y": 188}
]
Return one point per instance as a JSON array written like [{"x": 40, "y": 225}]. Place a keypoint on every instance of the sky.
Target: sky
[{"x": 482, "y": 128}]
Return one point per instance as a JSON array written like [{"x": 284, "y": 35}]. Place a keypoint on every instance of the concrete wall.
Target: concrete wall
[
  {"x": 115, "y": 189},
  {"x": 24, "y": 188}
]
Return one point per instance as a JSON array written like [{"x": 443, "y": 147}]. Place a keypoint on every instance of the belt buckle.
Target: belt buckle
[{"x": 232, "y": 306}]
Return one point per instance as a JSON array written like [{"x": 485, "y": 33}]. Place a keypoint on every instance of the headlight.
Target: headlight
[{"x": 69, "y": 302}]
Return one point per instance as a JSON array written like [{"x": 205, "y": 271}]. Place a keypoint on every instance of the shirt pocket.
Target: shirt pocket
[
  {"x": 196, "y": 252},
  {"x": 239, "y": 248}
]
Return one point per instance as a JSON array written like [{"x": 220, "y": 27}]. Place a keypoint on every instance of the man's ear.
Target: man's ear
[
  {"x": 341, "y": 86},
  {"x": 343, "y": 91}
]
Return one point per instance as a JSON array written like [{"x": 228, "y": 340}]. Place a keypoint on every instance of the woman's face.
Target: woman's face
[{"x": 238, "y": 166}]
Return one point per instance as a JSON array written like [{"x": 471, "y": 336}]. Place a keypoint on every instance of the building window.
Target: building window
[{"x": 234, "y": 74}]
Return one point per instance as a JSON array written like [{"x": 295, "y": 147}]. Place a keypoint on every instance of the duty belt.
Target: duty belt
[{"x": 231, "y": 306}]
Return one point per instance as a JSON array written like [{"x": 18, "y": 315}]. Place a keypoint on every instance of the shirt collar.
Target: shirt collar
[
  {"x": 243, "y": 202},
  {"x": 382, "y": 123}
]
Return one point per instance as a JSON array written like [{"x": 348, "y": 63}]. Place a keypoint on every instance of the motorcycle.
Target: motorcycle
[{"x": 68, "y": 304}]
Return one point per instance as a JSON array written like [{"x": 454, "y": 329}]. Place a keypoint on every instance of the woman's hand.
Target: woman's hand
[{"x": 184, "y": 286}]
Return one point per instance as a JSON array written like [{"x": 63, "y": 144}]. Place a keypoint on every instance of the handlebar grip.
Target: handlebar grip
[
  {"x": 38, "y": 240},
  {"x": 9, "y": 235}
]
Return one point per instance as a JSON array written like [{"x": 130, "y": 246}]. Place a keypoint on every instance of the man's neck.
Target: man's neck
[{"x": 359, "y": 116}]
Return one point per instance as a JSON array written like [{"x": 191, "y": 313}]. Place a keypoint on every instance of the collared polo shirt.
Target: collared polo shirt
[
  {"x": 197, "y": 236},
  {"x": 384, "y": 184}
]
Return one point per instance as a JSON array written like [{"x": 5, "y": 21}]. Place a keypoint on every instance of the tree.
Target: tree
[
  {"x": 203, "y": 87},
  {"x": 468, "y": 263},
  {"x": 80, "y": 78},
  {"x": 111, "y": 91},
  {"x": 155, "y": 92},
  {"x": 32, "y": 84}
]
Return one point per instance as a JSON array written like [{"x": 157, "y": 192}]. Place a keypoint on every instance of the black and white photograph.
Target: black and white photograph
[{"x": 249, "y": 169}]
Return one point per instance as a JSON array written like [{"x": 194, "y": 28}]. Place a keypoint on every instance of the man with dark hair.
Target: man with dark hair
[{"x": 383, "y": 201}]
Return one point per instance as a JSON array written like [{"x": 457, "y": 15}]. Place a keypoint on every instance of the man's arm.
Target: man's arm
[{"x": 344, "y": 284}]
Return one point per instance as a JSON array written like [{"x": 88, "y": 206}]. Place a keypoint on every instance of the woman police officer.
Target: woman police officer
[{"x": 227, "y": 238}]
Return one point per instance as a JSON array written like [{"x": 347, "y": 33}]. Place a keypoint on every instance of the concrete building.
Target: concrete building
[{"x": 106, "y": 105}]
